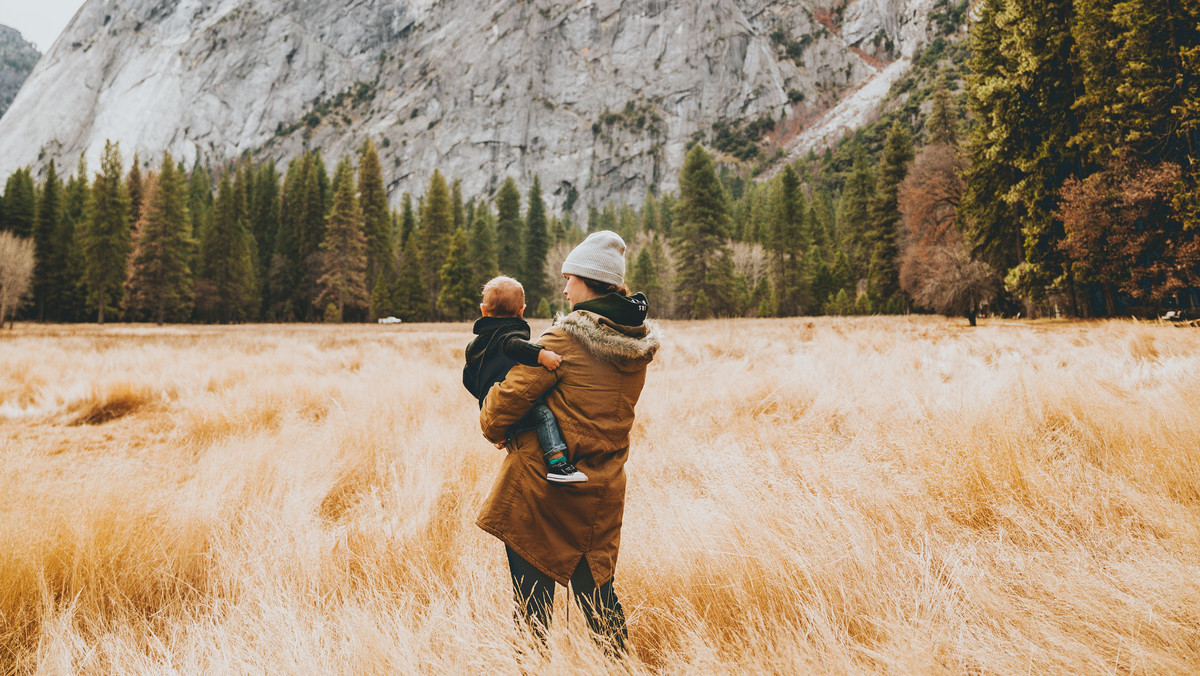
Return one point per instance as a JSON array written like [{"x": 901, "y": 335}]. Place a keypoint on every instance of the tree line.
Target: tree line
[
  {"x": 175, "y": 245},
  {"x": 1048, "y": 166}
]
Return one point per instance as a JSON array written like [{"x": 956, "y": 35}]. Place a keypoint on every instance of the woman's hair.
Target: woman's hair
[{"x": 604, "y": 288}]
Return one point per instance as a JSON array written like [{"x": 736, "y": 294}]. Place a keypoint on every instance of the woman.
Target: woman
[{"x": 571, "y": 533}]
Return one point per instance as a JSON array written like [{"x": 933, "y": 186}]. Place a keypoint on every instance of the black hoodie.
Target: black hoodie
[
  {"x": 499, "y": 344},
  {"x": 623, "y": 310}
]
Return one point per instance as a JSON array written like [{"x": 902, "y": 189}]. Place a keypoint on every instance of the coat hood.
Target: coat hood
[{"x": 611, "y": 342}]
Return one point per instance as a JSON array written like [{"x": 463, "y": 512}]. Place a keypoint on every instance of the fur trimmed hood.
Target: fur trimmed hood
[{"x": 611, "y": 342}]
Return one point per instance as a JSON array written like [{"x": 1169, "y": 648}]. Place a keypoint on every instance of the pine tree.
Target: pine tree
[
  {"x": 20, "y": 203},
  {"x": 457, "y": 298},
  {"x": 788, "y": 239},
  {"x": 408, "y": 220},
  {"x": 376, "y": 217},
  {"x": 245, "y": 202},
  {"x": 664, "y": 301},
  {"x": 483, "y": 248},
  {"x": 456, "y": 206},
  {"x": 840, "y": 304},
  {"x": 264, "y": 225},
  {"x": 626, "y": 225},
  {"x": 437, "y": 221},
  {"x": 1023, "y": 93},
  {"x": 200, "y": 207},
  {"x": 883, "y": 277},
  {"x": 854, "y": 219},
  {"x": 608, "y": 219},
  {"x": 383, "y": 298},
  {"x": 510, "y": 240},
  {"x": 411, "y": 296},
  {"x": 69, "y": 295},
  {"x": 704, "y": 269},
  {"x": 822, "y": 220},
  {"x": 537, "y": 245},
  {"x": 571, "y": 233},
  {"x": 841, "y": 275},
  {"x": 666, "y": 216},
  {"x": 559, "y": 229},
  {"x": 106, "y": 239},
  {"x": 324, "y": 189},
  {"x": 701, "y": 307},
  {"x": 650, "y": 214},
  {"x": 995, "y": 101},
  {"x": 225, "y": 284},
  {"x": 314, "y": 208},
  {"x": 160, "y": 284},
  {"x": 645, "y": 275},
  {"x": 49, "y": 247},
  {"x": 1042, "y": 39},
  {"x": 810, "y": 267},
  {"x": 1132, "y": 72},
  {"x": 344, "y": 252},
  {"x": 823, "y": 286},
  {"x": 283, "y": 272},
  {"x": 468, "y": 210},
  {"x": 593, "y": 219},
  {"x": 762, "y": 299},
  {"x": 1187, "y": 197},
  {"x": 137, "y": 188},
  {"x": 943, "y": 124},
  {"x": 742, "y": 306}
]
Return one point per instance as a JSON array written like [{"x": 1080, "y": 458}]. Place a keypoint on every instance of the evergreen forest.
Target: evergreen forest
[{"x": 1042, "y": 163}]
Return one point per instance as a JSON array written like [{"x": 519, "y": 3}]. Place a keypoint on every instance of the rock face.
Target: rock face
[
  {"x": 17, "y": 58},
  {"x": 598, "y": 97}
]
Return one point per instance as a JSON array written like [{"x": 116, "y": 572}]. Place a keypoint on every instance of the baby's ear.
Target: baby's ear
[{"x": 521, "y": 312}]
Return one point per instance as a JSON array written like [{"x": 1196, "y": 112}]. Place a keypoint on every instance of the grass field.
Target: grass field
[{"x": 845, "y": 495}]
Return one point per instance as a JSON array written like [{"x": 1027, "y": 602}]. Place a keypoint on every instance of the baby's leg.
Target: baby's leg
[{"x": 554, "y": 447}]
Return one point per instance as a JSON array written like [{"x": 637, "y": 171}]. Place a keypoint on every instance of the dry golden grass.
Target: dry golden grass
[{"x": 845, "y": 495}]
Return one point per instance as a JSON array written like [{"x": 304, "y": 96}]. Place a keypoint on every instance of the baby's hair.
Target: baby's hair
[{"x": 503, "y": 297}]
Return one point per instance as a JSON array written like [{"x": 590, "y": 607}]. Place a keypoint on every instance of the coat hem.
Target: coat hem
[{"x": 533, "y": 561}]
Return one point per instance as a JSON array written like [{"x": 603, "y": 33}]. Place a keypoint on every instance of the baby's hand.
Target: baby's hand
[{"x": 550, "y": 359}]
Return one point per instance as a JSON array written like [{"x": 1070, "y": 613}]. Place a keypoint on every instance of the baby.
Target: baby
[{"x": 502, "y": 341}]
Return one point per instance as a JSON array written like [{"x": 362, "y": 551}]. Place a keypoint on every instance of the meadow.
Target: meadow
[{"x": 848, "y": 495}]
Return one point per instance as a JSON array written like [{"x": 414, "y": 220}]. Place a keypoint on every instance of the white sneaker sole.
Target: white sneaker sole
[{"x": 576, "y": 478}]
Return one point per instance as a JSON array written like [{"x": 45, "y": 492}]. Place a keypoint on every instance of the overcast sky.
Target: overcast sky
[{"x": 40, "y": 21}]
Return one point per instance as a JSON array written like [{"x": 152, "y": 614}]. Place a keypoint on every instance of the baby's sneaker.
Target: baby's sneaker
[{"x": 565, "y": 473}]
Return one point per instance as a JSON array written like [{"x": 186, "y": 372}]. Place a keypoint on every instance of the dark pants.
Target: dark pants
[{"x": 534, "y": 592}]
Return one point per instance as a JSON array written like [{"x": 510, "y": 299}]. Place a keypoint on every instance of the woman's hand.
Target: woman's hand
[{"x": 550, "y": 359}]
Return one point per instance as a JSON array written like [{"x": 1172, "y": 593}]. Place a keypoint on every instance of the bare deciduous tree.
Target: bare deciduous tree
[
  {"x": 936, "y": 266},
  {"x": 17, "y": 260}
]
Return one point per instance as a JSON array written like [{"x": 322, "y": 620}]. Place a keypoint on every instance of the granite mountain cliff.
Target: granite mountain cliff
[{"x": 599, "y": 97}]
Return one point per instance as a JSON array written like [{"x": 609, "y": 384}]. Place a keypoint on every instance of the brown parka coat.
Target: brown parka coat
[{"x": 592, "y": 393}]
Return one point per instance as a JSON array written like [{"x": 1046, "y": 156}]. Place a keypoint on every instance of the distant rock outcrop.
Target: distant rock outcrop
[
  {"x": 17, "y": 59},
  {"x": 599, "y": 97}
]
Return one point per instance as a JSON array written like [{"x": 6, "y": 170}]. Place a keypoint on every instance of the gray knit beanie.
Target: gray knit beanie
[{"x": 600, "y": 257}]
